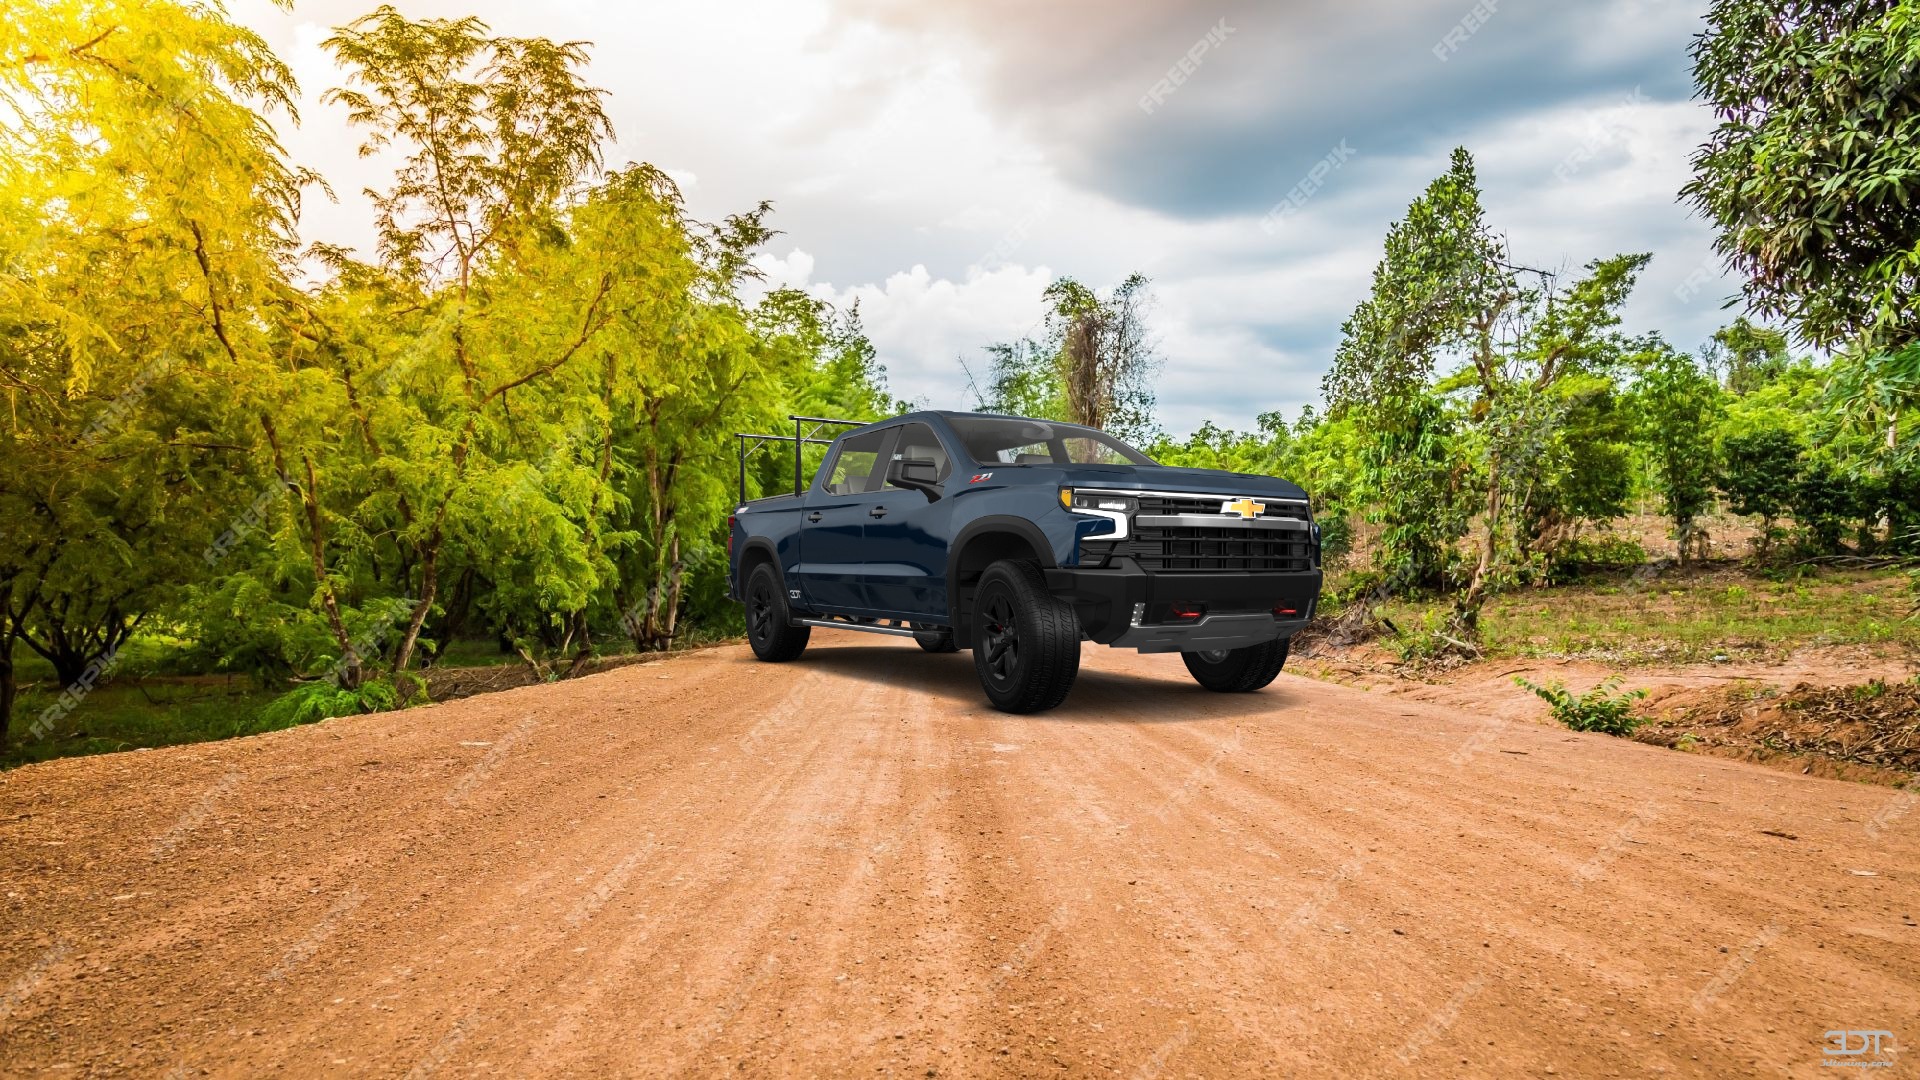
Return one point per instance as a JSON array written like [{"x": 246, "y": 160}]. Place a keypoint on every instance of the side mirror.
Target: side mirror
[{"x": 916, "y": 475}]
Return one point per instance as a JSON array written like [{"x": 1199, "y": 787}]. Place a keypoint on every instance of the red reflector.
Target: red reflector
[
  {"x": 1188, "y": 611},
  {"x": 1286, "y": 612}
]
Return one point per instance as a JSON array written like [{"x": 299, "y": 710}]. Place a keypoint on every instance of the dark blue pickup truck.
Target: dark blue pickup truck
[{"x": 1019, "y": 539}]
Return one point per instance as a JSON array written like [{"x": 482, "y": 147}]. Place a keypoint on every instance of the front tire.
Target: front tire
[
  {"x": 936, "y": 641},
  {"x": 770, "y": 628},
  {"x": 1026, "y": 642},
  {"x": 1237, "y": 671}
]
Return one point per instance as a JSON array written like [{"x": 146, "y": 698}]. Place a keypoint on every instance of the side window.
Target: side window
[
  {"x": 919, "y": 443},
  {"x": 854, "y": 466}
]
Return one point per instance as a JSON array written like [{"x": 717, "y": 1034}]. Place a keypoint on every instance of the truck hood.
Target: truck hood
[{"x": 1169, "y": 478}]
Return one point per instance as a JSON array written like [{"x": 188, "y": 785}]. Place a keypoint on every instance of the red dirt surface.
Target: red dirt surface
[{"x": 849, "y": 865}]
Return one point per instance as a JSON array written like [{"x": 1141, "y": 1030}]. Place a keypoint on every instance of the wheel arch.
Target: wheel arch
[
  {"x": 983, "y": 542},
  {"x": 756, "y": 551}
]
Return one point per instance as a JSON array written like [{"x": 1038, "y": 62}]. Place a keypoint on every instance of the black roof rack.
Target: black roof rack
[{"x": 801, "y": 437}]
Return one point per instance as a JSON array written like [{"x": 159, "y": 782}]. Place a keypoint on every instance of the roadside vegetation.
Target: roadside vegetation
[{"x": 248, "y": 483}]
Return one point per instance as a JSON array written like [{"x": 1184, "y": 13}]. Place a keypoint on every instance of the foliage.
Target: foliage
[
  {"x": 310, "y": 703},
  {"x": 1809, "y": 175},
  {"x": 1518, "y": 342},
  {"x": 1675, "y": 405},
  {"x": 1752, "y": 356},
  {"x": 1096, "y": 366},
  {"x": 1758, "y": 471},
  {"x": 146, "y": 209},
  {"x": 1598, "y": 710}
]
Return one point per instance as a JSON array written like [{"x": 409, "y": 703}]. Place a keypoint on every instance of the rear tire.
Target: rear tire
[
  {"x": 937, "y": 641},
  {"x": 1026, "y": 642},
  {"x": 770, "y": 628},
  {"x": 1237, "y": 671}
]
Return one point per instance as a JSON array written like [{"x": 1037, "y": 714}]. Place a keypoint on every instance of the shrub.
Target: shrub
[
  {"x": 1824, "y": 503},
  {"x": 312, "y": 702},
  {"x": 1758, "y": 470},
  {"x": 1599, "y": 709},
  {"x": 1584, "y": 554}
]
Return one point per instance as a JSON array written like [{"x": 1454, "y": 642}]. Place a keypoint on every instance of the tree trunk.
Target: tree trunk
[
  {"x": 1466, "y": 612},
  {"x": 9, "y": 689},
  {"x": 584, "y": 654},
  {"x": 317, "y": 552},
  {"x": 429, "y": 584}
]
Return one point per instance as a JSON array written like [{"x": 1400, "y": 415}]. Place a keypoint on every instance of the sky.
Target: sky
[{"x": 941, "y": 163}]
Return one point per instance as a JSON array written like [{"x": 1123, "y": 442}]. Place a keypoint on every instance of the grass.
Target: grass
[
  {"x": 126, "y": 716},
  {"x": 149, "y": 703},
  {"x": 1721, "y": 613}
]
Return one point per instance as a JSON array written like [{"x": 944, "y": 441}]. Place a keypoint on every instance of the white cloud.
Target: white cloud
[{"x": 933, "y": 174}]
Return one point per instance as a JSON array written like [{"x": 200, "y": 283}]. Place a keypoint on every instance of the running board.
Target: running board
[{"x": 871, "y": 628}]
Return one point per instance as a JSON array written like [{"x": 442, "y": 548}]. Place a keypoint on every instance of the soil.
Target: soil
[
  {"x": 1845, "y": 712},
  {"x": 849, "y": 865}
]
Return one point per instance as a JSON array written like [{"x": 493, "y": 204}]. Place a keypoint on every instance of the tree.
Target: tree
[
  {"x": 1810, "y": 175},
  {"x": 1753, "y": 356},
  {"x": 1106, "y": 358},
  {"x": 1445, "y": 292},
  {"x": 1584, "y": 474},
  {"x": 494, "y": 132},
  {"x": 1096, "y": 366},
  {"x": 145, "y": 211},
  {"x": 1675, "y": 405},
  {"x": 1758, "y": 472}
]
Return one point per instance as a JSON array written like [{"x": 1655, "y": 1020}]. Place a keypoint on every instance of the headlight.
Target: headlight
[{"x": 1093, "y": 500}]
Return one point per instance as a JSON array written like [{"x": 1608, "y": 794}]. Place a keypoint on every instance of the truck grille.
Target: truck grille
[
  {"x": 1214, "y": 548},
  {"x": 1210, "y": 504}
]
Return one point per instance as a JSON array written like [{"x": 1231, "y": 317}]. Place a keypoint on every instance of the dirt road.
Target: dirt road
[{"x": 848, "y": 865}]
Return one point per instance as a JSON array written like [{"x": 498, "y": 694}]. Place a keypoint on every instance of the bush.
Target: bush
[
  {"x": 1599, "y": 709},
  {"x": 1824, "y": 503},
  {"x": 1758, "y": 470},
  {"x": 316, "y": 701},
  {"x": 1583, "y": 554}
]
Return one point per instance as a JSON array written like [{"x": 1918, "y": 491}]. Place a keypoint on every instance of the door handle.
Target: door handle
[
  {"x": 815, "y": 516},
  {"x": 877, "y": 512}
]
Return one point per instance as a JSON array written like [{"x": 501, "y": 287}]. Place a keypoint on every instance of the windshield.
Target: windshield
[{"x": 996, "y": 440}]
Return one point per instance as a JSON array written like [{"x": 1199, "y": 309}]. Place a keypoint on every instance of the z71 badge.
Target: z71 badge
[{"x": 977, "y": 477}]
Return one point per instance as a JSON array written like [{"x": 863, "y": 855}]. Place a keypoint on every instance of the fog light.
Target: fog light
[{"x": 1188, "y": 611}]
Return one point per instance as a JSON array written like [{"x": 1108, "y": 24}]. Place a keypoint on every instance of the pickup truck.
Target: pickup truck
[{"x": 1018, "y": 539}]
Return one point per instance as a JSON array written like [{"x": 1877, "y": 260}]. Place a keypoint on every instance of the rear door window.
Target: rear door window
[{"x": 856, "y": 466}]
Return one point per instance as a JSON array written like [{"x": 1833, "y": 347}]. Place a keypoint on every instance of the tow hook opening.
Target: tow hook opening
[{"x": 1181, "y": 611}]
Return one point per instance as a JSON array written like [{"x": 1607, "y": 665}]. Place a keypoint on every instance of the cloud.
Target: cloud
[{"x": 942, "y": 163}]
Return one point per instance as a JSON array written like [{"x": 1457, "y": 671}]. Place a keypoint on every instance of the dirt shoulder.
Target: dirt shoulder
[
  {"x": 1796, "y": 714},
  {"x": 847, "y": 865}
]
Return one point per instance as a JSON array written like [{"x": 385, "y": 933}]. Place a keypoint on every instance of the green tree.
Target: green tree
[
  {"x": 145, "y": 212},
  {"x": 1675, "y": 406},
  {"x": 1446, "y": 295},
  {"x": 1752, "y": 356},
  {"x": 1810, "y": 175},
  {"x": 492, "y": 132},
  {"x": 1096, "y": 366},
  {"x": 1758, "y": 472}
]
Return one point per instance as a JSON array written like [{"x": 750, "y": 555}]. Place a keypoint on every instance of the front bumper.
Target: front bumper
[{"x": 1122, "y": 605}]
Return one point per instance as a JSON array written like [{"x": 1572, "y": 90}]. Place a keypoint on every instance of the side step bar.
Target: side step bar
[{"x": 871, "y": 628}]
